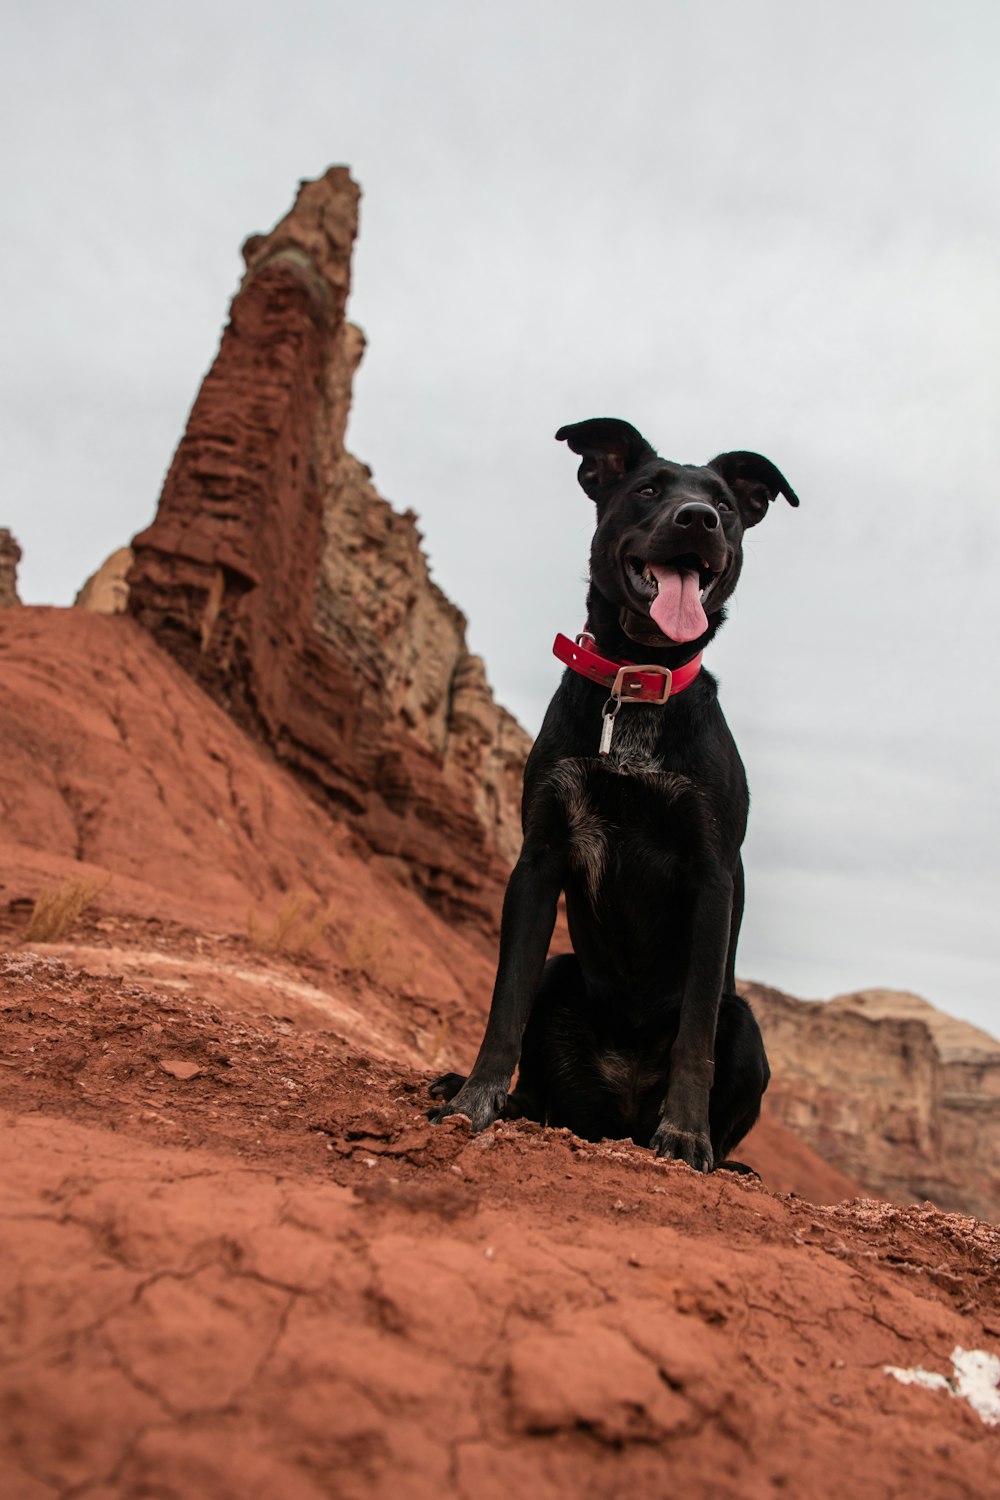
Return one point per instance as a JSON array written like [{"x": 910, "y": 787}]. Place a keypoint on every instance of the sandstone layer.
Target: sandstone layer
[
  {"x": 302, "y": 601},
  {"x": 106, "y": 591},
  {"x": 10, "y": 556},
  {"x": 897, "y": 1095}
]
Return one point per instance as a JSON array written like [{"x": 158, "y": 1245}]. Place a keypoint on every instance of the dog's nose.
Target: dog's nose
[{"x": 698, "y": 515}]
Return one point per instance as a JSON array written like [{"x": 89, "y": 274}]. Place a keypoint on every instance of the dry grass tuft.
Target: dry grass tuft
[
  {"x": 299, "y": 923},
  {"x": 362, "y": 946},
  {"x": 365, "y": 947},
  {"x": 433, "y": 1041},
  {"x": 368, "y": 949},
  {"x": 58, "y": 908}
]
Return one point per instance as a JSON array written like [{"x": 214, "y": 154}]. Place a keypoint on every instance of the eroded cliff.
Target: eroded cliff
[{"x": 302, "y": 601}]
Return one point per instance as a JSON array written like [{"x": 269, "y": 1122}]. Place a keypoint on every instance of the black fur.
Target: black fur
[{"x": 638, "y": 1033}]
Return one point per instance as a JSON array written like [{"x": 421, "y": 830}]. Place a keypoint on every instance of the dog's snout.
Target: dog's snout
[{"x": 697, "y": 515}]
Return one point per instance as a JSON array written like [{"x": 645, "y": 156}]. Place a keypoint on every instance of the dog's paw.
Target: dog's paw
[
  {"x": 480, "y": 1103},
  {"x": 690, "y": 1146},
  {"x": 447, "y": 1086}
]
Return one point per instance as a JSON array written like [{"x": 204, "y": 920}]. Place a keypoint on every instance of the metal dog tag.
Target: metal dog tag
[{"x": 608, "y": 713}]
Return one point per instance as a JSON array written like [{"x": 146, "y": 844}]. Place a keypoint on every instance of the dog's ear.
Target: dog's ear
[
  {"x": 610, "y": 449},
  {"x": 754, "y": 481}
]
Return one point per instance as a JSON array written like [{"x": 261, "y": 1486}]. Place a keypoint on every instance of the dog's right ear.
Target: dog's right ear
[
  {"x": 754, "y": 481},
  {"x": 610, "y": 449}
]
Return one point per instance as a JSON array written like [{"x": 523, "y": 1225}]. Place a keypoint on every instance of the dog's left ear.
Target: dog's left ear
[
  {"x": 754, "y": 481},
  {"x": 610, "y": 449}
]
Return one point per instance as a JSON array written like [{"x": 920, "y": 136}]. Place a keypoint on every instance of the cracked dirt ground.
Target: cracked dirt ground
[{"x": 273, "y": 1278}]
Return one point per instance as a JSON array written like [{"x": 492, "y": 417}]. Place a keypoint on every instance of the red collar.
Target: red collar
[{"x": 626, "y": 680}]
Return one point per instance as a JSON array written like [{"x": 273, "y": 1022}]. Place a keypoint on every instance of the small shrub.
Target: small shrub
[
  {"x": 432, "y": 1042},
  {"x": 58, "y": 908},
  {"x": 298, "y": 924},
  {"x": 367, "y": 949}
]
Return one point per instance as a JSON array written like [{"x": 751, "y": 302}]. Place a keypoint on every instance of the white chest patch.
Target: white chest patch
[{"x": 633, "y": 744}]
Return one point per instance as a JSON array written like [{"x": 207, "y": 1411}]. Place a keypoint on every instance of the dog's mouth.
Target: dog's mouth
[{"x": 674, "y": 594}]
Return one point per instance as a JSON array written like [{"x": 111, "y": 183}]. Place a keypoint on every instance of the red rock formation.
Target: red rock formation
[
  {"x": 902, "y": 1098},
  {"x": 282, "y": 582}
]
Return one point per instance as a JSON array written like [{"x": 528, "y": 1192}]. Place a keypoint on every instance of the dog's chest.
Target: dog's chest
[{"x": 635, "y": 740}]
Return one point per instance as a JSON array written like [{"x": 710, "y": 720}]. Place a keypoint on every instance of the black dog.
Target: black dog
[{"x": 638, "y": 1032}]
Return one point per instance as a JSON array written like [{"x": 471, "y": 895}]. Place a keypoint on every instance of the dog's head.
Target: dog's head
[{"x": 668, "y": 547}]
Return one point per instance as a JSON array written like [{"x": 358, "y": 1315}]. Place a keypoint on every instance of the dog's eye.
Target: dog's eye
[
  {"x": 647, "y": 491},
  {"x": 723, "y": 505}
]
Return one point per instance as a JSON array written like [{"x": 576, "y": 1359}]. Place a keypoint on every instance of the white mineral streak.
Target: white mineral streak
[{"x": 975, "y": 1379}]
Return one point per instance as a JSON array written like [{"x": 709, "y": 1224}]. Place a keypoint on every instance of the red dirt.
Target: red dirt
[{"x": 240, "y": 1262}]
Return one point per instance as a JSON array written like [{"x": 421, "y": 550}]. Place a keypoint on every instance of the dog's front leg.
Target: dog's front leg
[
  {"x": 529, "y": 915},
  {"x": 683, "y": 1131}
]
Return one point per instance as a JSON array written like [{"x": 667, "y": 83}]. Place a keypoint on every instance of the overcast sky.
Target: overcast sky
[{"x": 765, "y": 224}]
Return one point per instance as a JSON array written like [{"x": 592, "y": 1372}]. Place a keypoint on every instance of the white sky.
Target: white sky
[{"x": 737, "y": 223}]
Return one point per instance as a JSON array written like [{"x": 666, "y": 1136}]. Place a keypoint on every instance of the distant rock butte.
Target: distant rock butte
[
  {"x": 278, "y": 577},
  {"x": 10, "y": 556},
  {"x": 895, "y": 1094}
]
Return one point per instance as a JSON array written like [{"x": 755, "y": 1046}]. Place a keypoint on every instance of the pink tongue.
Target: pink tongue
[{"x": 677, "y": 610}]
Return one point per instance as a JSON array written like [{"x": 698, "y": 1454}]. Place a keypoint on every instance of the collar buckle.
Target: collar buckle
[{"x": 629, "y": 687}]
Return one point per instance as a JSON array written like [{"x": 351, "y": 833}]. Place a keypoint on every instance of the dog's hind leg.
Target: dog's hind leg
[
  {"x": 741, "y": 1074},
  {"x": 735, "y": 921},
  {"x": 529, "y": 1099}
]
